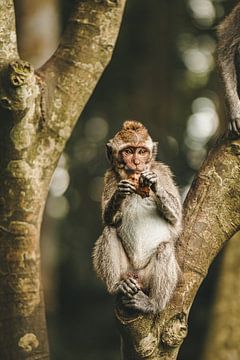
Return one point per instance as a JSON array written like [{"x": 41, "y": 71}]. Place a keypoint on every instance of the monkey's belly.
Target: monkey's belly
[{"x": 142, "y": 230}]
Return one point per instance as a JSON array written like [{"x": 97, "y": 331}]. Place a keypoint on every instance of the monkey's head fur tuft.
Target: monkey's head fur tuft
[{"x": 133, "y": 125}]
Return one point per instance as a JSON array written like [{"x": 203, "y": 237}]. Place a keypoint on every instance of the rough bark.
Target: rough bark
[
  {"x": 211, "y": 217},
  {"x": 38, "y": 113},
  {"x": 224, "y": 333}
]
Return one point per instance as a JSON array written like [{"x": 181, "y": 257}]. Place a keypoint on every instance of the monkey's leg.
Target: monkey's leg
[
  {"x": 109, "y": 259},
  {"x": 162, "y": 272}
]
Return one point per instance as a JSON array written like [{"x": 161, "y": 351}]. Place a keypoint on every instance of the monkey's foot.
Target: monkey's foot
[
  {"x": 138, "y": 301},
  {"x": 128, "y": 287},
  {"x": 234, "y": 126}
]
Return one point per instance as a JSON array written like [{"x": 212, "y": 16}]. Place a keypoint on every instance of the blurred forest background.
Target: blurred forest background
[{"x": 162, "y": 74}]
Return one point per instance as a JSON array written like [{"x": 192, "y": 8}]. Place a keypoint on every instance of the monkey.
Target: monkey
[
  {"x": 142, "y": 217},
  {"x": 228, "y": 61}
]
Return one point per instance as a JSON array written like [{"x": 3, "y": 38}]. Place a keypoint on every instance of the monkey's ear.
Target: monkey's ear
[
  {"x": 109, "y": 152},
  {"x": 154, "y": 150}
]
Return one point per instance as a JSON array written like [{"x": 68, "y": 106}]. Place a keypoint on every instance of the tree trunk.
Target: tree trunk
[
  {"x": 38, "y": 113},
  {"x": 224, "y": 333},
  {"x": 211, "y": 217}
]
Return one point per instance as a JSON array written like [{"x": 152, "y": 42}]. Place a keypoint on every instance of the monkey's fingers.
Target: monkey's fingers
[
  {"x": 135, "y": 283},
  {"x": 124, "y": 191},
  {"x": 125, "y": 181},
  {"x": 125, "y": 187},
  {"x": 152, "y": 179},
  {"x": 122, "y": 289},
  {"x": 126, "y": 289},
  {"x": 132, "y": 286},
  {"x": 129, "y": 288},
  {"x": 148, "y": 178}
]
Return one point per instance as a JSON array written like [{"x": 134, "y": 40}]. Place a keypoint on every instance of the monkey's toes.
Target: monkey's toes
[
  {"x": 139, "y": 301},
  {"x": 234, "y": 126}
]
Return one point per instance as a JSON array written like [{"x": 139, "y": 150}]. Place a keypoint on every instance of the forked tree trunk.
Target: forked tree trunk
[{"x": 38, "y": 113}]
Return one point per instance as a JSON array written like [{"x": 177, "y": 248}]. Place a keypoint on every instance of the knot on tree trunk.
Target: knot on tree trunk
[
  {"x": 19, "y": 89},
  {"x": 19, "y": 71},
  {"x": 175, "y": 331}
]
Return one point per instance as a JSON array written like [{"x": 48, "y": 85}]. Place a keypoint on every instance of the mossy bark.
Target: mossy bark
[
  {"x": 211, "y": 217},
  {"x": 38, "y": 112}
]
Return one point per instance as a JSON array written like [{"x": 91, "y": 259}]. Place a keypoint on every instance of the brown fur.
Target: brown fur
[{"x": 132, "y": 131}]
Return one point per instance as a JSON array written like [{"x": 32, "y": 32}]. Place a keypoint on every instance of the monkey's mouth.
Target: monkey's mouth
[{"x": 135, "y": 169}]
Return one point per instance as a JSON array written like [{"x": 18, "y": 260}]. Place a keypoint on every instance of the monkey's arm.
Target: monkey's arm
[
  {"x": 113, "y": 195},
  {"x": 228, "y": 59},
  {"x": 169, "y": 204},
  {"x": 166, "y": 193}
]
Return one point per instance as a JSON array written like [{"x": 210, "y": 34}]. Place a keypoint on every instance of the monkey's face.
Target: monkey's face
[{"x": 135, "y": 159}]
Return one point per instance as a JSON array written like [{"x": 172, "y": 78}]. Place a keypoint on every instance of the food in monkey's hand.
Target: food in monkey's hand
[{"x": 141, "y": 190}]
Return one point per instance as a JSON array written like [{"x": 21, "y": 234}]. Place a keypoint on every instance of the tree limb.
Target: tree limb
[
  {"x": 84, "y": 51},
  {"x": 211, "y": 217}
]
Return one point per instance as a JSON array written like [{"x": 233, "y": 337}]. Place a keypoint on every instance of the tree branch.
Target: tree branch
[
  {"x": 211, "y": 217},
  {"x": 84, "y": 51}
]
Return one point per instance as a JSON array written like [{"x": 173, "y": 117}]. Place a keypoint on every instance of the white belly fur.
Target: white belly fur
[{"x": 142, "y": 229}]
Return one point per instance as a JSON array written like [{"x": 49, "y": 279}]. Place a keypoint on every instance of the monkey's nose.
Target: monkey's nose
[{"x": 136, "y": 161}]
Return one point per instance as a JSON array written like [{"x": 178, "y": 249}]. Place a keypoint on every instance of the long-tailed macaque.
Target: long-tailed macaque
[
  {"x": 135, "y": 255},
  {"x": 228, "y": 58}
]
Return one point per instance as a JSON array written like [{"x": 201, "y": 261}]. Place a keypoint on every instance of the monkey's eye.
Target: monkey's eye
[
  {"x": 142, "y": 151},
  {"x": 128, "y": 151}
]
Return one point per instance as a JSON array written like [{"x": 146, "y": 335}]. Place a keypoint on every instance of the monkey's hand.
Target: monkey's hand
[
  {"x": 128, "y": 287},
  {"x": 234, "y": 126},
  {"x": 125, "y": 188},
  {"x": 148, "y": 178}
]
